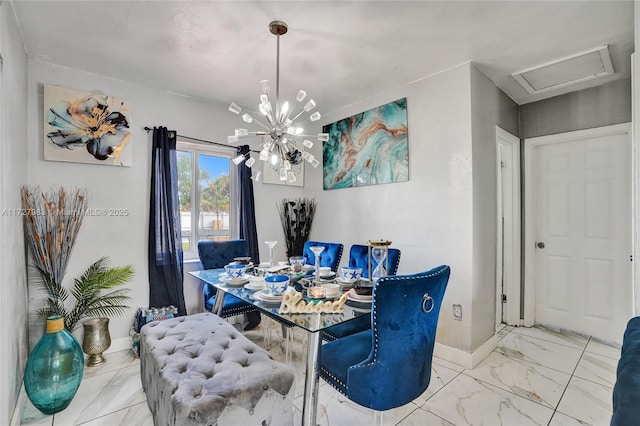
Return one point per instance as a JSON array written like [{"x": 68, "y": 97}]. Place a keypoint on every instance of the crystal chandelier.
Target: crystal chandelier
[{"x": 284, "y": 141}]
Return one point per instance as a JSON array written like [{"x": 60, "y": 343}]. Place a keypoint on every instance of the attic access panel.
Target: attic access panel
[{"x": 585, "y": 66}]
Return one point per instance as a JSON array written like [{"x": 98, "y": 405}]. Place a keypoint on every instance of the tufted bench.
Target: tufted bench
[{"x": 199, "y": 370}]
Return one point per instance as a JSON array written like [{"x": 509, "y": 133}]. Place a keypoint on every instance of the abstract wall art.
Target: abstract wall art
[
  {"x": 85, "y": 127},
  {"x": 368, "y": 148}
]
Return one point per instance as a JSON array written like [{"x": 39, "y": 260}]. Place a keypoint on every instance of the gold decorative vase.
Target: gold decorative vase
[{"x": 96, "y": 340}]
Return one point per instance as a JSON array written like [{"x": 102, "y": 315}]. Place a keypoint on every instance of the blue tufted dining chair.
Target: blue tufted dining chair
[
  {"x": 359, "y": 258},
  {"x": 390, "y": 365},
  {"x": 330, "y": 256},
  {"x": 217, "y": 254}
]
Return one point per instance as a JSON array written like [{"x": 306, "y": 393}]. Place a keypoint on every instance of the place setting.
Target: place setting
[
  {"x": 326, "y": 274},
  {"x": 235, "y": 275},
  {"x": 274, "y": 288},
  {"x": 255, "y": 283},
  {"x": 349, "y": 276}
]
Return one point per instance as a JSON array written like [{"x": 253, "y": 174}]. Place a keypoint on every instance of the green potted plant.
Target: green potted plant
[{"x": 52, "y": 221}]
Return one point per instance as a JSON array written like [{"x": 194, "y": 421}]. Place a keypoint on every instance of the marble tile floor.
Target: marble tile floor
[{"x": 534, "y": 377}]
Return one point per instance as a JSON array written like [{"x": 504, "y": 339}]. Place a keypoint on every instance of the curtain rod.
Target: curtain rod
[{"x": 148, "y": 129}]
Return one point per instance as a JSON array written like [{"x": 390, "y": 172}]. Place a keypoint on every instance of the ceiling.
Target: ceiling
[{"x": 339, "y": 52}]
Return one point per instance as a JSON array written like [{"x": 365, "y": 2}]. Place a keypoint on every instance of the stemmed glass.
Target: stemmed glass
[
  {"x": 271, "y": 245},
  {"x": 316, "y": 251}
]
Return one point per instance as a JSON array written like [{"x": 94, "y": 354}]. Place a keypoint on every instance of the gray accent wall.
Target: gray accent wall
[
  {"x": 490, "y": 107},
  {"x": 597, "y": 106}
]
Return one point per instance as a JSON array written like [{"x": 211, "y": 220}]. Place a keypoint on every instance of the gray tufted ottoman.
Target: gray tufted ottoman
[{"x": 199, "y": 370}]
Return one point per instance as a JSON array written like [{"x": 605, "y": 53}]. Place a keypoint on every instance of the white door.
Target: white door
[
  {"x": 508, "y": 224},
  {"x": 582, "y": 207}
]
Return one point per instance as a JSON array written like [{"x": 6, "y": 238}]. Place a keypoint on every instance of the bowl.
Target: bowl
[
  {"x": 351, "y": 274},
  {"x": 325, "y": 271},
  {"x": 363, "y": 291},
  {"x": 276, "y": 284},
  {"x": 235, "y": 270},
  {"x": 332, "y": 290}
]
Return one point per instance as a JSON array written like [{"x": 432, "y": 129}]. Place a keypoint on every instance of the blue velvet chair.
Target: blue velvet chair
[
  {"x": 359, "y": 258},
  {"x": 626, "y": 391},
  {"x": 217, "y": 254},
  {"x": 390, "y": 365},
  {"x": 330, "y": 256}
]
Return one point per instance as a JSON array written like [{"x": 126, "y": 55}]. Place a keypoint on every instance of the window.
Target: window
[{"x": 207, "y": 193}]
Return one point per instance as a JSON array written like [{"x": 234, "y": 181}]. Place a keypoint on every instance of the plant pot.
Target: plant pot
[
  {"x": 54, "y": 368},
  {"x": 96, "y": 340}
]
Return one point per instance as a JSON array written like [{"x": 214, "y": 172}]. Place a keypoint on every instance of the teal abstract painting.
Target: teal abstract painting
[{"x": 368, "y": 148}]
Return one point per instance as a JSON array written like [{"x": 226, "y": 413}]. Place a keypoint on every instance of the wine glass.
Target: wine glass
[
  {"x": 271, "y": 245},
  {"x": 316, "y": 251}
]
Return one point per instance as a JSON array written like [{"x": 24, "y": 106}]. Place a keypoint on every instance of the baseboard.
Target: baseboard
[{"x": 465, "y": 359}]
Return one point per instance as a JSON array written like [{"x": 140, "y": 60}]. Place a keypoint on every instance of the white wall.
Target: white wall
[
  {"x": 13, "y": 173},
  {"x": 445, "y": 213},
  {"x": 124, "y": 239},
  {"x": 429, "y": 217}
]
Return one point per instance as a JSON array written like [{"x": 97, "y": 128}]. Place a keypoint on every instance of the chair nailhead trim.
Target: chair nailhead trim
[{"x": 375, "y": 312}]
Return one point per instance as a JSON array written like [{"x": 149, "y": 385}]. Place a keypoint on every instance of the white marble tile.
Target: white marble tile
[
  {"x": 540, "y": 352},
  {"x": 504, "y": 331},
  {"x": 560, "y": 419},
  {"x": 603, "y": 349},
  {"x": 440, "y": 376},
  {"x": 534, "y": 382},
  {"x": 33, "y": 417},
  {"x": 567, "y": 338},
  {"x": 104, "y": 394},
  {"x": 422, "y": 417},
  {"x": 115, "y": 361},
  {"x": 597, "y": 368},
  {"x": 445, "y": 363},
  {"x": 138, "y": 415},
  {"x": 587, "y": 401},
  {"x": 335, "y": 409},
  {"x": 467, "y": 401}
]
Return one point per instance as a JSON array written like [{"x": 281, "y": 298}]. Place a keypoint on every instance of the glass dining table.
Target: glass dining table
[{"x": 312, "y": 323}]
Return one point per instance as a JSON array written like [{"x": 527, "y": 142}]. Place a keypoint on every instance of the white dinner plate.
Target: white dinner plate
[
  {"x": 235, "y": 281},
  {"x": 328, "y": 276},
  {"x": 254, "y": 286},
  {"x": 266, "y": 297},
  {"x": 352, "y": 295}
]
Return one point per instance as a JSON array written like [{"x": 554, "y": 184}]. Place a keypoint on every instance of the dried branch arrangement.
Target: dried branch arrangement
[
  {"x": 296, "y": 217},
  {"x": 52, "y": 220}
]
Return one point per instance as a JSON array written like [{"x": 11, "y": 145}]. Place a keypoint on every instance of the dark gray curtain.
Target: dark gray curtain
[
  {"x": 165, "y": 241},
  {"x": 247, "y": 207}
]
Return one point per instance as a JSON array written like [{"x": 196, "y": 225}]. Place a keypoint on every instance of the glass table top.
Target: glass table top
[{"x": 311, "y": 322}]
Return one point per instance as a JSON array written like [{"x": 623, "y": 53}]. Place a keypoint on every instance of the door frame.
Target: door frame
[
  {"x": 530, "y": 207},
  {"x": 508, "y": 260}
]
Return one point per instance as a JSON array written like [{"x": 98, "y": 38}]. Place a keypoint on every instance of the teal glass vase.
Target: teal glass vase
[{"x": 54, "y": 368}]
